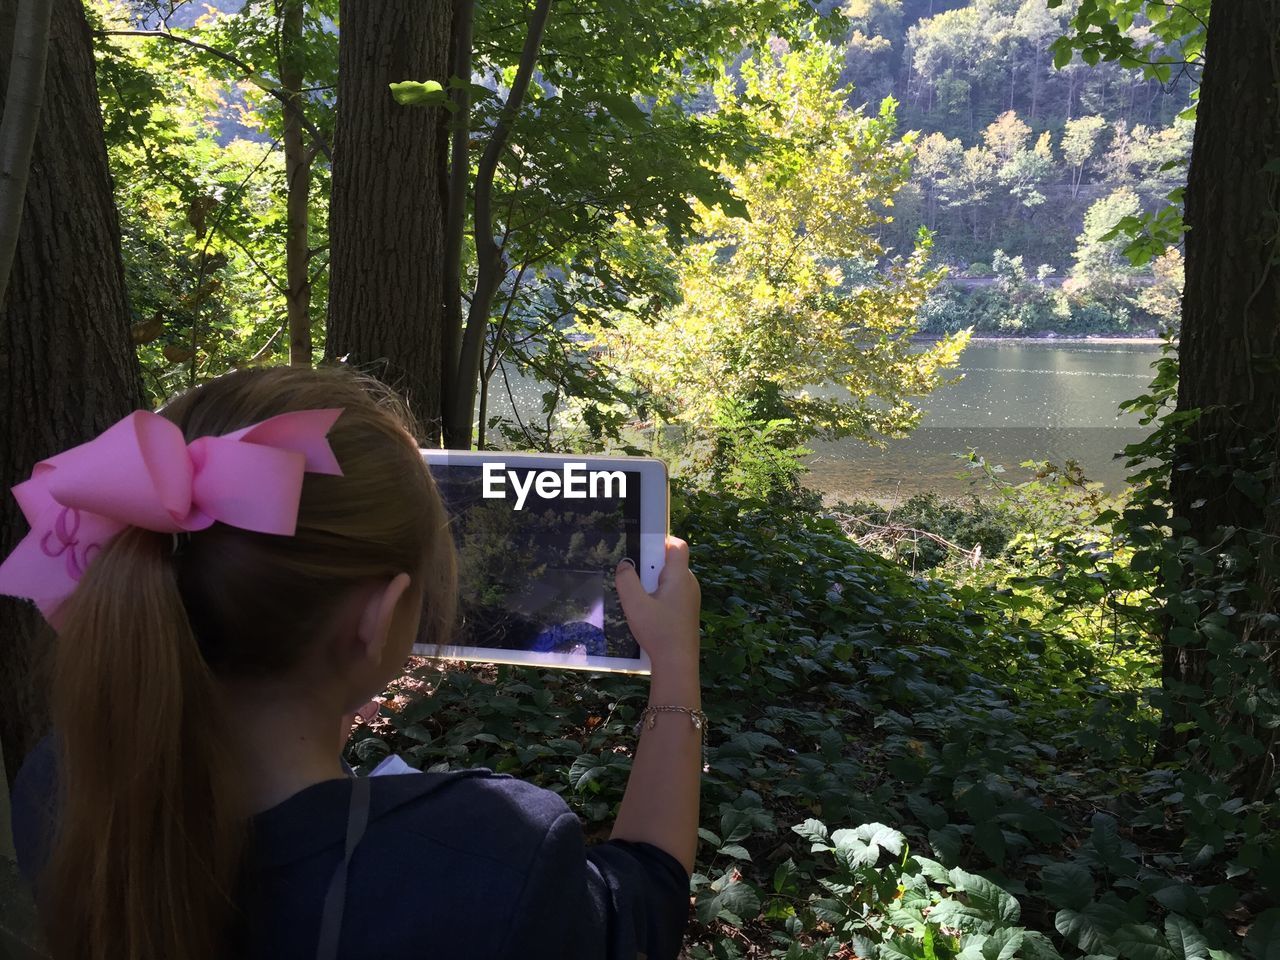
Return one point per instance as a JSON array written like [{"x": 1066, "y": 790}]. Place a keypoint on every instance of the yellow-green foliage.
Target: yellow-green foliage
[{"x": 770, "y": 305}]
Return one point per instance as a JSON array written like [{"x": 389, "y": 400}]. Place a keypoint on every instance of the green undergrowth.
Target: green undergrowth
[{"x": 897, "y": 767}]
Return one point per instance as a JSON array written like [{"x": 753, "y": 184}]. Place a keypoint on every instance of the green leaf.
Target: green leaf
[
  {"x": 1263, "y": 939},
  {"x": 952, "y": 913},
  {"x": 1089, "y": 929},
  {"x": 585, "y": 769},
  {"x": 739, "y": 823},
  {"x": 1003, "y": 944},
  {"x": 828, "y": 910},
  {"x": 933, "y": 870},
  {"x": 1184, "y": 938},
  {"x": 412, "y": 93},
  {"x": 1180, "y": 898},
  {"x": 1036, "y": 946},
  {"x": 735, "y": 902},
  {"x": 783, "y": 876},
  {"x": 624, "y": 109},
  {"x": 987, "y": 897},
  {"x": 815, "y": 831},
  {"x": 990, "y": 840},
  {"x": 1140, "y": 941},
  {"x": 1105, "y": 840},
  {"x": 947, "y": 842},
  {"x": 1068, "y": 885},
  {"x": 930, "y": 814},
  {"x": 861, "y": 847}
]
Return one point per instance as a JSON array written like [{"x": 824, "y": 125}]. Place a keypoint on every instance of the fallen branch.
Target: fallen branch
[{"x": 895, "y": 533}]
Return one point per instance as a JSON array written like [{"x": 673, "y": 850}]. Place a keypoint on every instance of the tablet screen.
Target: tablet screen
[{"x": 536, "y": 556}]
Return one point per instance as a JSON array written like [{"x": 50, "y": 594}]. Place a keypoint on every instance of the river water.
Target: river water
[{"x": 1014, "y": 401}]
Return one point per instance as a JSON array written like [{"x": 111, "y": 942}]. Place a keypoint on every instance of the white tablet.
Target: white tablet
[{"x": 539, "y": 537}]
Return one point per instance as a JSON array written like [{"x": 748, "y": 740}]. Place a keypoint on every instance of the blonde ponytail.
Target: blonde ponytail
[{"x": 149, "y": 834}]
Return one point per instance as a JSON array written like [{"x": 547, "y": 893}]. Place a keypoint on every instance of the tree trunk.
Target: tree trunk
[
  {"x": 297, "y": 172},
  {"x": 1035, "y": 83},
  {"x": 69, "y": 368},
  {"x": 460, "y": 404},
  {"x": 21, "y": 114},
  {"x": 458, "y": 194},
  {"x": 1231, "y": 305},
  {"x": 387, "y": 208}
]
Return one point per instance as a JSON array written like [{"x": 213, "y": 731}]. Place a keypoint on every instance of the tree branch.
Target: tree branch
[
  {"x": 488, "y": 256},
  {"x": 266, "y": 346}
]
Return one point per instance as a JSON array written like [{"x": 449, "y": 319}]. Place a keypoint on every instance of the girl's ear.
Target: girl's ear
[{"x": 375, "y": 619}]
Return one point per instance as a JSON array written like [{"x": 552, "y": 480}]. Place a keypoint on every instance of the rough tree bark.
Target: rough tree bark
[
  {"x": 1230, "y": 339},
  {"x": 387, "y": 209},
  {"x": 458, "y": 194},
  {"x": 19, "y": 117},
  {"x": 69, "y": 370}
]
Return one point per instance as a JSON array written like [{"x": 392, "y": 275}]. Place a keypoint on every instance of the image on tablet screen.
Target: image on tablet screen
[{"x": 540, "y": 578}]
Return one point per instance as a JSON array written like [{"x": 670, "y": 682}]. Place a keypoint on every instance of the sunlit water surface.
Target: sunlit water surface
[{"x": 1014, "y": 402}]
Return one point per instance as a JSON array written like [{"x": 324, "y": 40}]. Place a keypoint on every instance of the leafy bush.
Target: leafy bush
[
  {"x": 944, "y": 310},
  {"x": 750, "y": 452},
  {"x": 865, "y": 890},
  {"x": 982, "y": 724},
  {"x": 1019, "y": 304}
]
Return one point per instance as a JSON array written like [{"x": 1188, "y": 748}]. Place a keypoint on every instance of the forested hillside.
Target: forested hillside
[
  {"x": 1014, "y": 151},
  {"x": 1019, "y": 158}
]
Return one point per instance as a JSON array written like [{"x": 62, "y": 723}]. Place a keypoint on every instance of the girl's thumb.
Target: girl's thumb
[{"x": 627, "y": 580}]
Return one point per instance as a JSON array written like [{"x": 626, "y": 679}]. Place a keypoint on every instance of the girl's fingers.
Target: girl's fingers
[
  {"x": 631, "y": 592},
  {"x": 676, "y": 561}
]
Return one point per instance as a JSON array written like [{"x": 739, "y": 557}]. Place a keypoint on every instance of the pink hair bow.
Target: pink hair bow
[{"x": 141, "y": 472}]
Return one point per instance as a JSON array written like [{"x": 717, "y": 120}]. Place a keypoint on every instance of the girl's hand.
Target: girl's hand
[
  {"x": 664, "y": 623},
  {"x": 660, "y": 804}
]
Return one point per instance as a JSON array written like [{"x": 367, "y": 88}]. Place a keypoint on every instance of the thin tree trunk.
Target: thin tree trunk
[
  {"x": 69, "y": 370},
  {"x": 1230, "y": 314},
  {"x": 484, "y": 408},
  {"x": 23, "y": 93},
  {"x": 1035, "y": 84},
  {"x": 459, "y": 179},
  {"x": 387, "y": 208},
  {"x": 489, "y": 263},
  {"x": 297, "y": 172}
]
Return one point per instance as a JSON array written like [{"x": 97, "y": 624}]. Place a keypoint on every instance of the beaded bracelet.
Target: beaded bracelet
[{"x": 650, "y": 713}]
